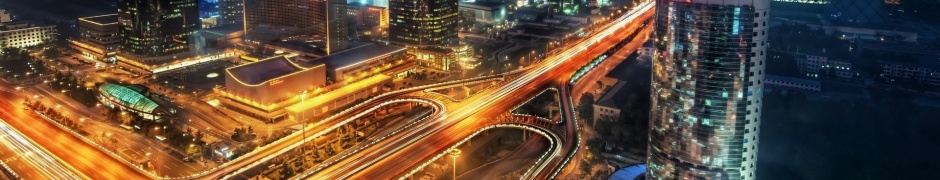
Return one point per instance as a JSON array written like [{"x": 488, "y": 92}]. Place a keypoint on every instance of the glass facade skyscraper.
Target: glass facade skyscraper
[
  {"x": 153, "y": 28},
  {"x": 321, "y": 20},
  {"x": 423, "y": 22},
  {"x": 707, "y": 78}
]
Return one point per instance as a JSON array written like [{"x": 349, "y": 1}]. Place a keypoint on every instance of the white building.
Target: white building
[{"x": 21, "y": 34}]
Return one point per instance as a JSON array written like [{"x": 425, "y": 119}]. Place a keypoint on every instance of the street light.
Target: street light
[{"x": 454, "y": 153}]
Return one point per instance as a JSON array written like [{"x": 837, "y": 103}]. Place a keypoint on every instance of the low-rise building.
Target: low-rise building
[
  {"x": 22, "y": 34},
  {"x": 608, "y": 107},
  {"x": 98, "y": 37},
  {"x": 821, "y": 66},
  {"x": 322, "y": 105},
  {"x": 792, "y": 82},
  {"x": 135, "y": 99},
  {"x": 361, "y": 61},
  {"x": 262, "y": 89},
  {"x": 484, "y": 12},
  {"x": 435, "y": 57}
]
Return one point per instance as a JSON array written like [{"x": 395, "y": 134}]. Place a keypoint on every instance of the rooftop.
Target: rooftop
[
  {"x": 132, "y": 96},
  {"x": 356, "y": 55},
  {"x": 264, "y": 70},
  {"x": 101, "y": 19},
  {"x": 338, "y": 93},
  {"x": 613, "y": 96}
]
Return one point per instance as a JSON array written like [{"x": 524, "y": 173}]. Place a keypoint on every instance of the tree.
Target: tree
[
  {"x": 194, "y": 150},
  {"x": 586, "y": 106}
]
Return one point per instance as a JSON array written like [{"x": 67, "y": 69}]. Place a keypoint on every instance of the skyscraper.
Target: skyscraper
[
  {"x": 320, "y": 19},
  {"x": 706, "y": 88},
  {"x": 157, "y": 28},
  {"x": 423, "y": 22},
  {"x": 232, "y": 11}
]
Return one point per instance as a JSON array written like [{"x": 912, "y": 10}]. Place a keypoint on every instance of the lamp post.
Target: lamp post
[
  {"x": 303, "y": 129},
  {"x": 454, "y": 153}
]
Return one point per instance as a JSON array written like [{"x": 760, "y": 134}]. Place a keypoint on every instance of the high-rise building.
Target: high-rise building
[
  {"x": 707, "y": 77},
  {"x": 423, "y": 22},
  {"x": 323, "y": 20},
  {"x": 231, "y": 11},
  {"x": 157, "y": 28}
]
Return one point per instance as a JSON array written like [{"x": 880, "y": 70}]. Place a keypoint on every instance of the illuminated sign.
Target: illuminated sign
[{"x": 275, "y": 82}]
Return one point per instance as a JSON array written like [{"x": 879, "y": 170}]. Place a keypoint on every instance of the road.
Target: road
[
  {"x": 464, "y": 118},
  {"x": 18, "y": 151},
  {"x": 81, "y": 156}
]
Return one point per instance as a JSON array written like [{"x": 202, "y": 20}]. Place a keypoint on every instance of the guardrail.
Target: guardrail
[
  {"x": 439, "y": 107},
  {"x": 553, "y": 140}
]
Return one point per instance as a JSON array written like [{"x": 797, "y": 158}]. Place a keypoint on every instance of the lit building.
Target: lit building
[
  {"x": 155, "y": 31},
  {"x": 20, "y": 34},
  {"x": 484, "y": 12},
  {"x": 5, "y": 16},
  {"x": 436, "y": 57},
  {"x": 821, "y": 66},
  {"x": 372, "y": 16},
  {"x": 98, "y": 37},
  {"x": 365, "y": 16},
  {"x": 231, "y": 11},
  {"x": 361, "y": 61},
  {"x": 262, "y": 89},
  {"x": 707, "y": 81},
  {"x": 423, "y": 23},
  {"x": 322, "y": 105},
  {"x": 318, "y": 20},
  {"x": 135, "y": 99}
]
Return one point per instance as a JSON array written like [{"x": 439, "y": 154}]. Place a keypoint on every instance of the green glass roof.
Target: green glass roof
[{"x": 128, "y": 97}]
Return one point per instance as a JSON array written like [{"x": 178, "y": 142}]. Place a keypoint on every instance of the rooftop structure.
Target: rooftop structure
[
  {"x": 133, "y": 98},
  {"x": 358, "y": 59},
  {"x": 262, "y": 89}
]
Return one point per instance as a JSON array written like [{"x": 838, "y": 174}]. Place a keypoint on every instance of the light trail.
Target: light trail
[{"x": 34, "y": 155}]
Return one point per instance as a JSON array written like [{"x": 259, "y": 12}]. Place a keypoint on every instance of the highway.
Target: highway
[
  {"x": 34, "y": 156},
  {"x": 466, "y": 117},
  {"x": 69, "y": 149}
]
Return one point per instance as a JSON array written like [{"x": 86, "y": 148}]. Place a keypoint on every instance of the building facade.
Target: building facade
[
  {"x": 321, "y": 20},
  {"x": 19, "y": 34},
  {"x": 821, "y": 66},
  {"x": 262, "y": 90},
  {"x": 423, "y": 22},
  {"x": 156, "y": 30},
  {"x": 706, "y": 88},
  {"x": 231, "y": 11},
  {"x": 98, "y": 37}
]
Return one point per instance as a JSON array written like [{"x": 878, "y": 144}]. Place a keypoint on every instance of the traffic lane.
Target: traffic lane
[
  {"x": 64, "y": 145},
  {"x": 507, "y": 103},
  {"x": 22, "y": 168}
]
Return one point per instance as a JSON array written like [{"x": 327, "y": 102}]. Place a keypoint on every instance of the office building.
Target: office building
[
  {"x": 372, "y": 16},
  {"x": 231, "y": 11},
  {"x": 706, "y": 88},
  {"x": 484, "y": 12},
  {"x": 423, "y": 22},
  {"x": 155, "y": 31},
  {"x": 19, "y": 34},
  {"x": 98, "y": 37},
  {"x": 316, "y": 20}
]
